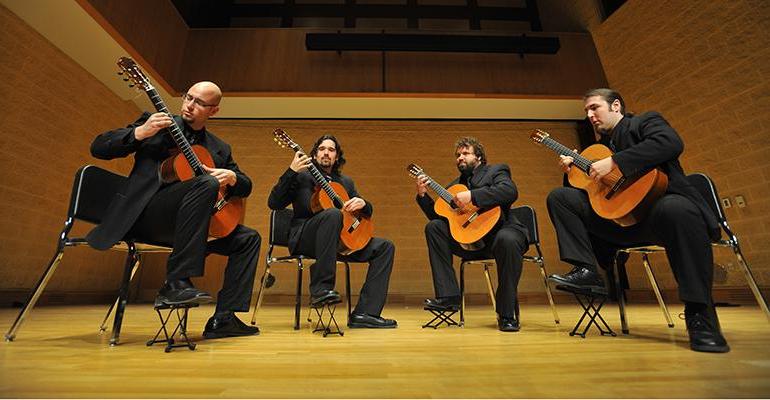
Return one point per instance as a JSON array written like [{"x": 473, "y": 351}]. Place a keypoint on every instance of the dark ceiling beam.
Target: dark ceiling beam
[
  {"x": 412, "y": 22},
  {"x": 475, "y": 21},
  {"x": 439, "y": 43},
  {"x": 379, "y": 11},
  {"x": 350, "y": 21},
  {"x": 534, "y": 16},
  {"x": 287, "y": 21},
  {"x": 205, "y": 14}
]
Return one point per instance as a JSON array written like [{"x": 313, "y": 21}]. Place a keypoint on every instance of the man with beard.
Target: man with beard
[
  {"x": 488, "y": 186},
  {"x": 178, "y": 214},
  {"x": 680, "y": 220},
  {"x": 317, "y": 235}
]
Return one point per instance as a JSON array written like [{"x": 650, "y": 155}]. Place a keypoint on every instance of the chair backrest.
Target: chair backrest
[
  {"x": 705, "y": 186},
  {"x": 92, "y": 192},
  {"x": 527, "y": 216},
  {"x": 280, "y": 226}
]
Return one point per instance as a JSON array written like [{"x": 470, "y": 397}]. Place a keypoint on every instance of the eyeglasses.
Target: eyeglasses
[{"x": 198, "y": 102}]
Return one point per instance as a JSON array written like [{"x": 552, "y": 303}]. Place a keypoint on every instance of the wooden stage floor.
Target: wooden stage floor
[{"x": 58, "y": 353}]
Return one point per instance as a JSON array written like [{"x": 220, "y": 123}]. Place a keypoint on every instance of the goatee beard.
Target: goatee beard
[{"x": 465, "y": 169}]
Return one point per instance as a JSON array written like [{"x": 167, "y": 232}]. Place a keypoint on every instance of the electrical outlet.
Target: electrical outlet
[
  {"x": 726, "y": 203},
  {"x": 740, "y": 201}
]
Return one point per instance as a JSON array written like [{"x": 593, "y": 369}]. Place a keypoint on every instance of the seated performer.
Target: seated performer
[
  {"x": 317, "y": 234},
  {"x": 680, "y": 220},
  {"x": 488, "y": 186},
  {"x": 178, "y": 213}
]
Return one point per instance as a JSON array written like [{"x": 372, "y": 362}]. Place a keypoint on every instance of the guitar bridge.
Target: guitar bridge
[
  {"x": 354, "y": 225},
  {"x": 470, "y": 219},
  {"x": 615, "y": 188},
  {"x": 220, "y": 204}
]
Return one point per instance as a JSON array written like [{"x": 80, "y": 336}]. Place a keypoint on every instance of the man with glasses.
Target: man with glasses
[{"x": 178, "y": 213}]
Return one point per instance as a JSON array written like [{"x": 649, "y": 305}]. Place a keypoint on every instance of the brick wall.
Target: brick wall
[
  {"x": 705, "y": 65},
  {"x": 52, "y": 109}
]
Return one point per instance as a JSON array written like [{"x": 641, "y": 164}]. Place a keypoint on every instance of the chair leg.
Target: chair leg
[
  {"x": 750, "y": 279},
  {"x": 490, "y": 288},
  {"x": 41, "y": 284},
  {"x": 298, "y": 299},
  {"x": 260, "y": 294},
  {"x": 347, "y": 289},
  {"x": 656, "y": 289},
  {"x": 621, "y": 298},
  {"x": 132, "y": 258},
  {"x": 103, "y": 326},
  {"x": 548, "y": 291},
  {"x": 462, "y": 294}
]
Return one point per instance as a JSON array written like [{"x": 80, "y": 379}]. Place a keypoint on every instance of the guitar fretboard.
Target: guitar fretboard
[
  {"x": 321, "y": 181},
  {"x": 579, "y": 161},
  {"x": 440, "y": 190},
  {"x": 176, "y": 133}
]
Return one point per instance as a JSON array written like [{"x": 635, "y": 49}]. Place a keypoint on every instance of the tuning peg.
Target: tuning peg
[
  {"x": 120, "y": 72},
  {"x": 125, "y": 79},
  {"x": 131, "y": 85}
]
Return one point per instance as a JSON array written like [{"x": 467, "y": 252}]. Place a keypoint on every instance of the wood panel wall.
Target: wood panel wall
[
  {"x": 154, "y": 29},
  {"x": 267, "y": 60},
  {"x": 275, "y": 60}
]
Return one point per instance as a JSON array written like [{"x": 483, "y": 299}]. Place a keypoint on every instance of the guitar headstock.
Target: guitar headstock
[
  {"x": 283, "y": 140},
  {"x": 538, "y": 136},
  {"x": 414, "y": 170},
  {"x": 134, "y": 74}
]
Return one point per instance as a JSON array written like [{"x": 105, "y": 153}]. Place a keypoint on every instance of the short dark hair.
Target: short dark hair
[
  {"x": 340, "y": 159},
  {"x": 478, "y": 148},
  {"x": 608, "y": 95}
]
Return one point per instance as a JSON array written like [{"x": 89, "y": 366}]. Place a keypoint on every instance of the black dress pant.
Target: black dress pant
[
  {"x": 506, "y": 245},
  {"x": 319, "y": 240},
  {"x": 178, "y": 216},
  {"x": 673, "y": 222}
]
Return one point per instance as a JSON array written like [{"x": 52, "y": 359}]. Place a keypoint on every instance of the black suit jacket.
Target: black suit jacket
[
  {"x": 490, "y": 185},
  {"x": 144, "y": 180},
  {"x": 297, "y": 189},
  {"x": 647, "y": 141}
]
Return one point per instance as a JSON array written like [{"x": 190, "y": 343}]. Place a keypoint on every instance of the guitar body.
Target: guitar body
[
  {"x": 628, "y": 205},
  {"x": 470, "y": 224},
  {"x": 224, "y": 220},
  {"x": 357, "y": 229}
]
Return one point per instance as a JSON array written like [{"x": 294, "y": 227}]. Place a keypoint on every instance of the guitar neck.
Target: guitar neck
[
  {"x": 176, "y": 133},
  {"x": 440, "y": 190},
  {"x": 322, "y": 182},
  {"x": 579, "y": 161}
]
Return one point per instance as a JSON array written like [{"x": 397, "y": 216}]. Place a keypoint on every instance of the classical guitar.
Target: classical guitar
[
  {"x": 624, "y": 200},
  {"x": 357, "y": 228},
  {"x": 188, "y": 162},
  {"x": 467, "y": 225}
]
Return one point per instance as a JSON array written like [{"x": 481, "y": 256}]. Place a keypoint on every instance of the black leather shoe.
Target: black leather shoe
[
  {"x": 181, "y": 292},
  {"x": 704, "y": 332},
  {"x": 370, "y": 321},
  {"x": 449, "y": 303},
  {"x": 226, "y": 326},
  {"x": 325, "y": 297},
  {"x": 507, "y": 324},
  {"x": 579, "y": 278}
]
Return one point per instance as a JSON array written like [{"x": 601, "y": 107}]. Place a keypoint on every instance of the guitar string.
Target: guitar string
[{"x": 177, "y": 134}]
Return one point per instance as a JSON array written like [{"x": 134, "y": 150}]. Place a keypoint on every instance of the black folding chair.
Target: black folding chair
[
  {"x": 706, "y": 188},
  {"x": 527, "y": 216},
  {"x": 280, "y": 226},
  {"x": 92, "y": 191}
]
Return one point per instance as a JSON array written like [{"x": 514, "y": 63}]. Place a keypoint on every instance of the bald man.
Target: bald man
[{"x": 177, "y": 214}]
